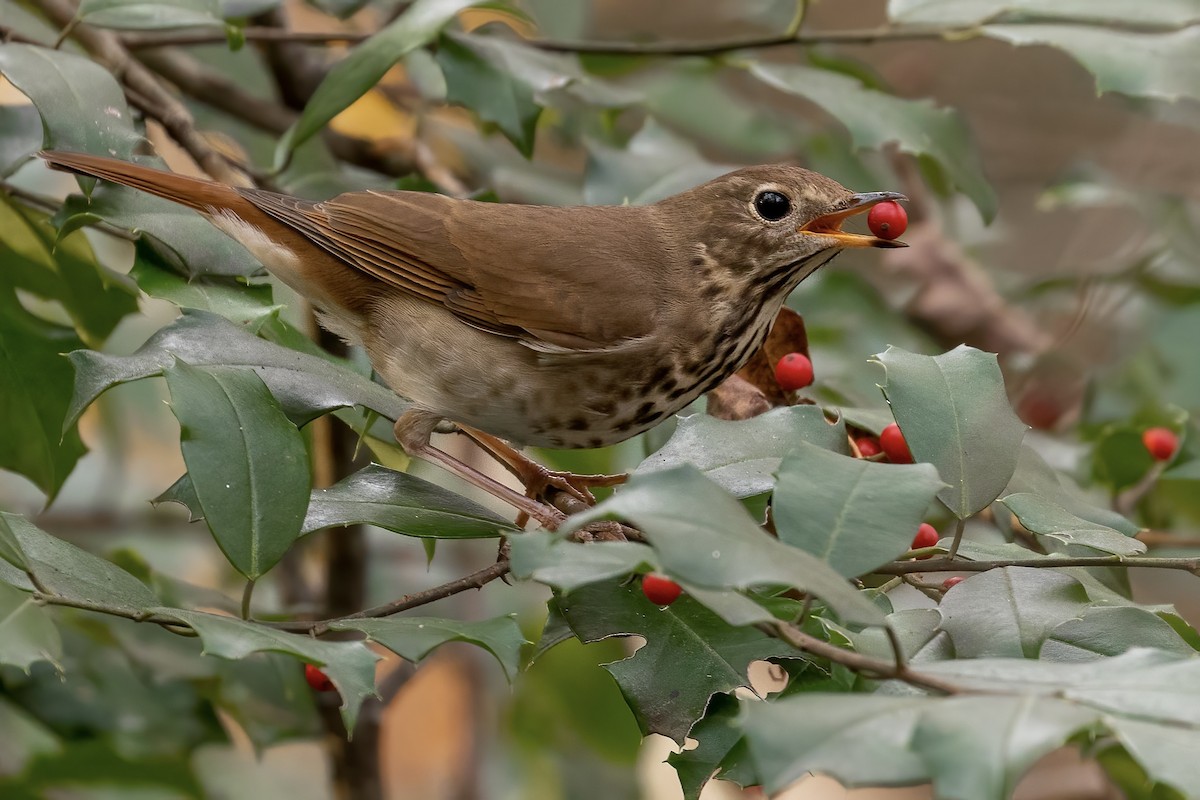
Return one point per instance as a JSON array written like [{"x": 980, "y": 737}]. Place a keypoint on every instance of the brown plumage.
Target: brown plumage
[{"x": 563, "y": 327}]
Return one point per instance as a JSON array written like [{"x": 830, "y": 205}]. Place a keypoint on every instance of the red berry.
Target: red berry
[
  {"x": 660, "y": 590},
  {"x": 927, "y": 536},
  {"x": 887, "y": 220},
  {"x": 894, "y": 446},
  {"x": 318, "y": 680},
  {"x": 794, "y": 371},
  {"x": 868, "y": 446},
  {"x": 955, "y": 581},
  {"x": 1161, "y": 443}
]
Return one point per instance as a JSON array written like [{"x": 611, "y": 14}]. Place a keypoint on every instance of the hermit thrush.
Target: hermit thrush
[{"x": 560, "y": 327}]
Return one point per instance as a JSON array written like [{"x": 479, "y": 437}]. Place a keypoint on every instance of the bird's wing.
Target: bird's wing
[{"x": 555, "y": 278}]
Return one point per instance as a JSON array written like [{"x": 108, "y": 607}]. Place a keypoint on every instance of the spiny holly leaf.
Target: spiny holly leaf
[
  {"x": 1061, "y": 531},
  {"x": 704, "y": 537},
  {"x": 550, "y": 559},
  {"x": 249, "y": 306},
  {"x": 1166, "y": 752},
  {"x": 20, "y": 136},
  {"x": 350, "y": 665},
  {"x": 247, "y": 462},
  {"x": 362, "y": 68},
  {"x": 1010, "y": 611},
  {"x": 876, "y": 119},
  {"x": 722, "y": 752},
  {"x": 741, "y": 456},
  {"x": 976, "y": 747},
  {"x": 1035, "y": 476},
  {"x": 690, "y": 654},
  {"x": 413, "y": 638},
  {"x": 306, "y": 385},
  {"x": 852, "y": 514},
  {"x": 63, "y": 569},
  {"x": 656, "y": 163},
  {"x": 954, "y": 413},
  {"x": 397, "y": 501},
  {"x": 1110, "y": 631},
  {"x": 27, "y": 634}
]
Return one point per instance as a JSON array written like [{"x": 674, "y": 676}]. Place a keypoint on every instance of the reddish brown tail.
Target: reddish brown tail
[{"x": 196, "y": 193}]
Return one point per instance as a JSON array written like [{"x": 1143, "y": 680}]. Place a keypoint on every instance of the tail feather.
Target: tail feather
[{"x": 196, "y": 193}]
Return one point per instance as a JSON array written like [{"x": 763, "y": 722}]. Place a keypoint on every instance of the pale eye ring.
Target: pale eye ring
[{"x": 772, "y": 206}]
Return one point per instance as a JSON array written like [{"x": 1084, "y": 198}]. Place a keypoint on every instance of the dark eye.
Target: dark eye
[{"x": 772, "y": 206}]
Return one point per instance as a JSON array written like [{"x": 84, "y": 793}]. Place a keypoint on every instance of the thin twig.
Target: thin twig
[
  {"x": 866, "y": 665},
  {"x": 1049, "y": 562},
  {"x": 476, "y": 580},
  {"x": 886, "y": 33},
  {"x": 958, "y": 535}
]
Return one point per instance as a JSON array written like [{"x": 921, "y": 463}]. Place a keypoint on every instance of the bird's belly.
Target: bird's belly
[{"x": 498, "y": 385}]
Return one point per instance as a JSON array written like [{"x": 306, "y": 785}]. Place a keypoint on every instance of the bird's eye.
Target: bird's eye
[{"x": 772, "y": 206}]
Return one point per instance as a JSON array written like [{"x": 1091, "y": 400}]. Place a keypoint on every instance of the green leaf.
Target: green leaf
[
  {"x": 977, "y": 747},
  {"x": 690, "y": 654},
  {"x": 402, "y": 503},
  {"x": 40, "y": 441},
  {"x": 1165, "y": 66},
  {"x": 1010, "y": 612},
  {"x": 1035, "y": 476},
  {"x": 350, "y": 665},
  {"x": 742, "y": 456},
  {"x": 493, "y": 94},
  {"x": 81, "y": 104},
  {"x": 1119, "y": 459},
  {"x": 852, "y": 514},
  {"x": 20, "y": 136},
  {"x": 27, "y": 634},
  {"x": 974, "y": 12},
  {"x": 654, "y": 164},
  {"x": 306, "y": 385},
  {"x": 954, "y": 413},
  {"x": 1166, "y": 752},
  {"x": 918, "y": 630},
  {"x": 722, "y": 752},
  {"x": 550, "y": 559},
  {"x": 151, "y": 14},
  {"x": 361, "y": 69},
  {"x": 1061, "y": 531},
  {"x": 68, "y": 571},
  {"x": 247, "y": 461},
  {"x": 244, "y": 305},
  {"x": 25, "y": 739},
  {"x": 180, "y": 235},
  {"x": 875, "y": 119},
  {"x": 704, "y": 537},
  {"x": 413, "y": 638},
  {"x": 64, "y": 270},
  {"x": 1111, "y": 631}
]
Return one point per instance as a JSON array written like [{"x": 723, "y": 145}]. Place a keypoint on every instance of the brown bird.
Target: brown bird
[{"x": 559, "y": 327}]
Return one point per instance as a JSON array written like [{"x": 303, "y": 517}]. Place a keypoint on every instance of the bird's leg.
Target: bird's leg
[
  {"x": 536, "y": 477},
  {"x": 413, "y": 430}
]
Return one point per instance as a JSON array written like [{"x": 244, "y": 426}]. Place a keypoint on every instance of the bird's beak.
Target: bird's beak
[{"x": 830, "y": 224}]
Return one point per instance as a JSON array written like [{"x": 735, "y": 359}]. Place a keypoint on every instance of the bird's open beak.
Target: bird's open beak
[{"x": 830, "y": 224}]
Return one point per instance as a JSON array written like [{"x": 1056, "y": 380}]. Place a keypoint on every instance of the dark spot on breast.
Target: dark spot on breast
[
  {"x": 678, "y": 393},
  {"x": 698, "y": 262},
  {"x": 659, "y": 375},
  {"x": 668, "y": 385},
  {"x": 595, "y": 441},
  {"x": 644, "y": 411},
  {"x": 578, "y": 424},
  {"x": 711, "y": 291}
]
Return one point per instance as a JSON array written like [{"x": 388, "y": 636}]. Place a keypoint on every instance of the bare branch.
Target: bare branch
[{"x": 1049, "y": 562}]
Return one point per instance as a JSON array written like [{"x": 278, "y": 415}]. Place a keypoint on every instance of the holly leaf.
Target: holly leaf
[
  {"x": 954, "y": 413},
  {"x": 852, "y": 514},
  {"x": 690, "y": 653},
  {"x": 550, "y": 559},
  {"x": 1061, "y": 531},
  {"x": 703, "y": 536},
  {"x": 741, "y": 456},
  {"x": 414, "y": 638},
  {"x": 27, "y": 634},
  {"x": 248, "y": 463}
]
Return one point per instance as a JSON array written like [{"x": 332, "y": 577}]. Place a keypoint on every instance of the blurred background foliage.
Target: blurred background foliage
[{"x": 1049, "y": 149}]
